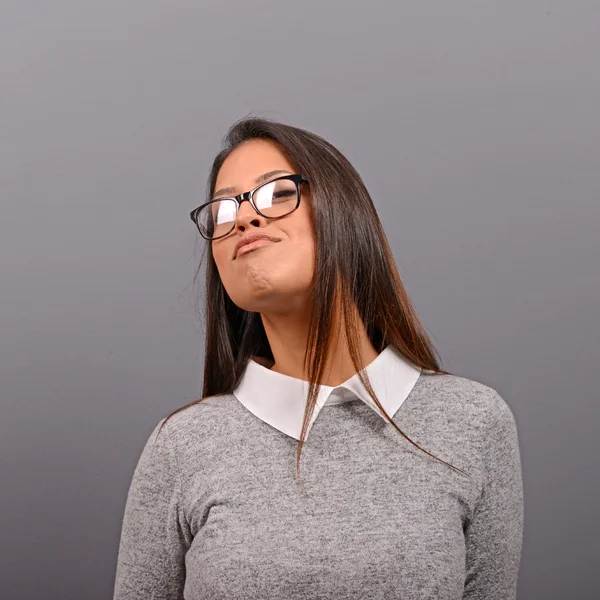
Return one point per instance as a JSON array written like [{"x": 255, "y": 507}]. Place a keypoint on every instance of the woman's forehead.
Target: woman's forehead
[{"x": 250, "y": 160}]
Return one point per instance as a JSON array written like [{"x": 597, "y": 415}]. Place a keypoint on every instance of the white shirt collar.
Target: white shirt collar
[{"x": 280, "y": 400}]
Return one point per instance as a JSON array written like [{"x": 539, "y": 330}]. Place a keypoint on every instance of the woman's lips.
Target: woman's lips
[{"x": 253, "y": 245}]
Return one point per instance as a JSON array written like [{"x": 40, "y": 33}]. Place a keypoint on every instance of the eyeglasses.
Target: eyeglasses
[{"x": 273, "y": 199}]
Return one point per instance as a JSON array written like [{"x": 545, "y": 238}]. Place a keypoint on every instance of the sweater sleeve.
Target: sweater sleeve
[
  {"x": 494, "y": 536},
  {"x": 154, "y": 535}
]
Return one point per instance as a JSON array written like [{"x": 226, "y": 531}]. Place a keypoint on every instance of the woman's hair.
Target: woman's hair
[{"x": 354, "y": 272}]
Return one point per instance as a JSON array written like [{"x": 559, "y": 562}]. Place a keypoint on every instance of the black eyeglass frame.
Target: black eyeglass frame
[{"x": 297, "y": 178}]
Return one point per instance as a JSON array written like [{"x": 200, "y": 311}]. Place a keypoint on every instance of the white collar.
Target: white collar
[{"x": 280, "y": 400}]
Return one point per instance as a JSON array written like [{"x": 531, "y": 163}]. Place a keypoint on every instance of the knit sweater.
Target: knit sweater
[{"x": 214, "y": 510}]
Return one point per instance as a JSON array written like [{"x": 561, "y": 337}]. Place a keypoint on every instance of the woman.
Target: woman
[{"x": 302, "y": 288}]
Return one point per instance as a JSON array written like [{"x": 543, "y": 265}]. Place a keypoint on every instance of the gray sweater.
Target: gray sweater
[{"x": 214, "y": 510}]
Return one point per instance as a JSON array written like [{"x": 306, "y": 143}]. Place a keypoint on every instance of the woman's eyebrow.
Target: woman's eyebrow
[{"x": 260, "y": 179}]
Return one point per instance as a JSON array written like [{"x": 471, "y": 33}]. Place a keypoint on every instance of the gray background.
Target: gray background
[{"x": 475, "y": 126}]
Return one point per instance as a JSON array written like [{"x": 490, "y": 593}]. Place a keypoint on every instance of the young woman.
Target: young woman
[{"x": 411, "y": 483}]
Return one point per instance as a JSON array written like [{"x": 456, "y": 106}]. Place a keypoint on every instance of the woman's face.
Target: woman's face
[{"x": 274, "y": 277}]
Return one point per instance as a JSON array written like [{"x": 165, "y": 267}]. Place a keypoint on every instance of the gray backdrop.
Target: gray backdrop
[{"x": 475, "y": 126}]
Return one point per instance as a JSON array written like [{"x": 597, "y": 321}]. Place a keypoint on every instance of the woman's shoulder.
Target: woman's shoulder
[
  {"x": 463, "y": 397},
  {"x": 191, "y": 421}
]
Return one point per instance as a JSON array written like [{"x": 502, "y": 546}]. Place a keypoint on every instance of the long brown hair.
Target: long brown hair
[{"x": 355, "y": 276}]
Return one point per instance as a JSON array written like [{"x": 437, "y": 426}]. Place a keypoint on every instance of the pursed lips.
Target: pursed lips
[{"x": 257, "y": 243}]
